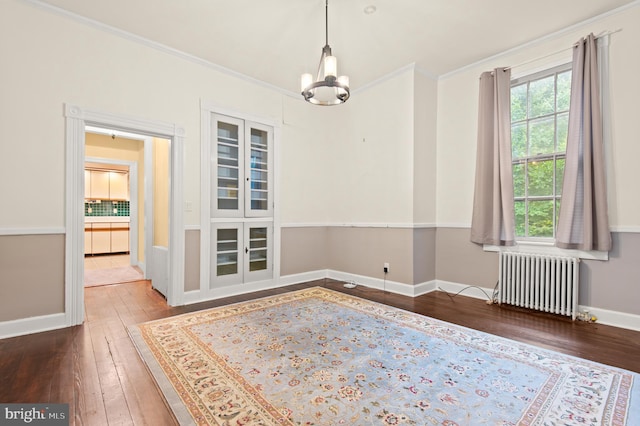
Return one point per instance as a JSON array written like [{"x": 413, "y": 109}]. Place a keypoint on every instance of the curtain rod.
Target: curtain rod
[{"x": 603, "y": 34}]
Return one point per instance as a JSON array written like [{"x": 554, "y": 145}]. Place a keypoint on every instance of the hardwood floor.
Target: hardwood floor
[{"x": 96, "y": 369}]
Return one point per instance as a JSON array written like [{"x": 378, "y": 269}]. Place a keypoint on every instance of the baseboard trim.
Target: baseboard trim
[
  {"x": 286, "y": 280},
  {"x": 604, "y": 316},
  {"x": 384, "y": 285},
  {"x": 31, "y": 325},
  {"x": 42, "y": 323},
  {"x": 613, "y": 318}
]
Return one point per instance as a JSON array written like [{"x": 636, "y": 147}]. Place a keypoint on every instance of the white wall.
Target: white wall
[
  {"x": 49, "y": 60},
  {"x": 370, "y": 171},
  {"x": 352, "y": 164},
  {"x": 458, "y": 112}
]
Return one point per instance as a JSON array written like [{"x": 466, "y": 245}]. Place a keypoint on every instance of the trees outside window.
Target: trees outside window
[{"x": 539, "y": 123}]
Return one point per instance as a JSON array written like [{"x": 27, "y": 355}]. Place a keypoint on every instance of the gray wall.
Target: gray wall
[
  {"x": 192, "y": 260},
  {"x": 31, "y": 275},
  {"x": 458, "y": 260},
  {"x": 409, "y": 252},
  {"x": 613, "y": 285}
]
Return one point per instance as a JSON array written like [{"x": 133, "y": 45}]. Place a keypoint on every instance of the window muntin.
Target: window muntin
[{"x": 539, "y": 123}]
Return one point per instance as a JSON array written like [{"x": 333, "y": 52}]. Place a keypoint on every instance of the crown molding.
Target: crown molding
[
  {"x": 540, "y": 40},
  {"x": 155, "y": 45}
]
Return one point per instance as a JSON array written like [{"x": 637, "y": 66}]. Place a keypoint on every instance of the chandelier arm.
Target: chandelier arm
[{"x": 322, "y": 56}]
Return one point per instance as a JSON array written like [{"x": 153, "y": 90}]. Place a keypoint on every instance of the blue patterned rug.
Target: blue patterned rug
[{"x": 319, "y": 357}]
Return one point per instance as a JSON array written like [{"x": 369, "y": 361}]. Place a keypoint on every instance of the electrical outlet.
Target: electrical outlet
[{"x": 385, "y": 267}]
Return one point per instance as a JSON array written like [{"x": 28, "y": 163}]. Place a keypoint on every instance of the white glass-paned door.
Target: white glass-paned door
[
  {"x": 227, "y": 159},
  {"x": 241, "y": 252},
  {"x": 227, "y": 254},
  {"x": 259, "y": 169},
  {"x": 258, "y": 251}
]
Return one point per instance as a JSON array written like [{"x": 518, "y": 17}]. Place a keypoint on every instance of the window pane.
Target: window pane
[
  {"x": 518, "y": 180},
  {"x": 559, "y": 175},
  {"x": 540, "y": 177},
  {"x": 519, "y": 140},
  {"x": 519, "y": 102},
  {"x": 561, "y": 134},
  {"x": 541, "y": 218},
  {"x": 541, "y": 135},
  {"x": 519, "y": 211},
  {"x": 541, "y": 97},
  {"x": 564, "y": 90}
]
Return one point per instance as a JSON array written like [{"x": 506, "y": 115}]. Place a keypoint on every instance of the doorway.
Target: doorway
[
  {"x": 111, "y": 203},
  {"x": 116, "y": 211},
  {"x": 77, "y": 119}
]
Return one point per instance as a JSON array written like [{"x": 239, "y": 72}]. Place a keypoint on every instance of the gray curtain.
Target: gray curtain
[
  {"x": 493, "y": 212},
  {"x": 583, "y": 222}
]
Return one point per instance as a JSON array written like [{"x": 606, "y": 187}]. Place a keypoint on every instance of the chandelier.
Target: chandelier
[{"x": 328, "y": 89}]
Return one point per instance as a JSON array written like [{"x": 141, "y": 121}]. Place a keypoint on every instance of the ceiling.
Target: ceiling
[{"x": 276, "y": 41}]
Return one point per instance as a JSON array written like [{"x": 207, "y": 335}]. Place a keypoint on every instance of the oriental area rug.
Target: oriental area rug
[{"x": 320, "y": 357}]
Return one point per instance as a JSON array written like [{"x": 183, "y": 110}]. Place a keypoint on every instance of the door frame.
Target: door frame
[{"x": 76, "y": 119}]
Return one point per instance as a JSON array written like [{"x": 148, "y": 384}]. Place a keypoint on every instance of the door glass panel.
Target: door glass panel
[
  {"x": 227, "y": 252},
  {"x": 259, "y": 173},
  {"x": 257, "y": 249},
  {"x": 228, "y": 166}
]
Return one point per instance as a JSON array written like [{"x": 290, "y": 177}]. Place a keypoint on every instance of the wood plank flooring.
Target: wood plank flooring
[{"x": 96, "y": 369}]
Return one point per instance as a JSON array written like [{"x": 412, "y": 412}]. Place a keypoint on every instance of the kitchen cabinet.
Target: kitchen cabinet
[
  {"x": 87, "y": 184},
  {"x": 106, "y": 185},
  {"x": 100, "y": 238},
  {"x": 109, "y": 237},
  {"x": 119, "y": 237},
  {"x": 118, "y": 186},
  {"x": 99, "y": 185},
  {"x": 88, "y": 249}
]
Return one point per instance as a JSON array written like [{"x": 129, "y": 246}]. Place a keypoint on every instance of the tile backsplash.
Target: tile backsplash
[{"x": 106, "y": 208}]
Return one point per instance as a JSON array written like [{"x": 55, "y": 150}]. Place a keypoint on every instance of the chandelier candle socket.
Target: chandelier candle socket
[{"x": 328, "y": 89}]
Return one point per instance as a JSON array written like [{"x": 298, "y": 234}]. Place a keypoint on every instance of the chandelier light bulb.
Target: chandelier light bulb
[
  {"x": 330, "y": 67},
  {"x": 305, "y": 81}
]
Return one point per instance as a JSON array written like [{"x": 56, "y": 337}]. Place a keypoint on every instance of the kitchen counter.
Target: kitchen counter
[{"x": 106, "y": 219}]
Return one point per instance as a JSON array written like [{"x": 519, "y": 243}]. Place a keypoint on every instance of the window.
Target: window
[{"x": 539, "y": 124}]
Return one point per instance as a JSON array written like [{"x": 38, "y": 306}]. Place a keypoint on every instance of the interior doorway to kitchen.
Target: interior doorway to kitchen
[
  {"x": 126, "y": 207},
  {"x": 111, "y": 195}
]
